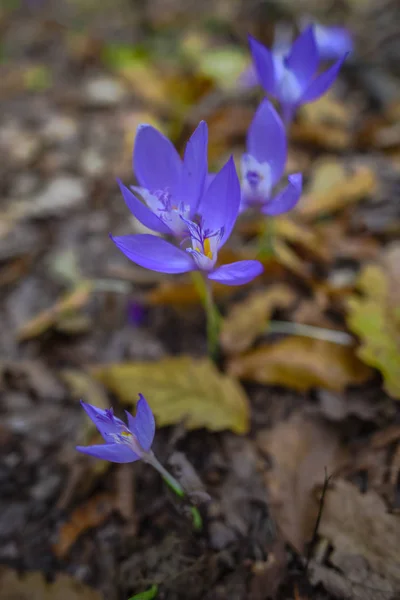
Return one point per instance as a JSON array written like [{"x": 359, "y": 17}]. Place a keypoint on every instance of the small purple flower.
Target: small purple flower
[
  {"x": 207, "y": 233},
  {"x": 291, "y": 76},
  {"x": 264, "y": 163},
  {"x": 170, "y": 187},
  {"x": 124, "y": 443}
]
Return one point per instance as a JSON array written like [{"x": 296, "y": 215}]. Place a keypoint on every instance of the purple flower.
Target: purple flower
[
  {"x": 170, "y": 187},
  {"x": 216, "y": 217},
  {"x": 264, "y": 163},
  {"x": 291, "y": 76},
  {"x": 124, "y": 443}
]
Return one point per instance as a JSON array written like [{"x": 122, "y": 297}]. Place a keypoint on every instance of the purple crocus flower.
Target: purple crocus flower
[
  {"x": 123, "y": 443},
  {"x": 264, "y": 163},
  {"x": 217, "y": 214},
  {"x": 292, "y": 77},
  {"x": 170, "y": 187}
]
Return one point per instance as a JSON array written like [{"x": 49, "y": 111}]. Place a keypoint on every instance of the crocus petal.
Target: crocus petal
[
  {"x": 237, "y": 273},
  {"x": 100, "y": 418},
  {"x": 287, "y": 198},
  {"x": 321, "y": 83},
  {"x": 142, "y": 212},
  {"x": 156, "y": 163},
  {"x": 154, "y": 253},
  {"x": 264, "y": 65},
  {"x": 220, "y": 205},
  {"x": 266, "y": 139},
  {"x": 332, "y": 42},
  {"x": 303, "y": 57},
  {"x": 195, "y": 169},
  {"x": 118, "y": 453},
  {"x": 142, "y": 425}
]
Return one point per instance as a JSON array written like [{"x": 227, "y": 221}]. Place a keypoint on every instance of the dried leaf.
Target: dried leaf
[
  {"x": 302, "y": 364},
  {"x": 359, "y": 524},
  {"x": 248, "y": 319},
  {"x": 326, "y": 123},
  {"x": 71, "y": 302},
  {"x": 91, "y": 514},
  {"x": 180, "y": 388},
  {"x": 375, "y": 318},
  {"x": 332, "y": 189},
  {"x": 33, "y": 586},
  {"x": 301, "y": 450}
]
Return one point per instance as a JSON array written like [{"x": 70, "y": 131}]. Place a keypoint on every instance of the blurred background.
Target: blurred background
[{"x": 79, "y": 321}]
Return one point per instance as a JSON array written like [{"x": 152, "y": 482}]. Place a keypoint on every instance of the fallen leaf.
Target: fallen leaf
[
  {"x": 33, "y": 586},
  {"x": 180, "y": 388},
  {"x": 359, "y": 524},
  {"x": 375, "y": 317},
  {"x": 301, "y": 363},
  {"x": 248, "y": 319},
  {"x": 70, "y": 303},
  {"x": 91, "y": 514},
  {"x": 332, "y": 189},
  {"x": 301, "y": 451},
  {"x": 325, "y": 123},
  {"x": 183, "y": 293}
]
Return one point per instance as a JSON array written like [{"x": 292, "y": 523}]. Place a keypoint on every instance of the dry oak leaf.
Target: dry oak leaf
[
  {"x": 359, "y": 524},
  {"x": 248, "y": 319},
  {"x": 332, "y": 188},
  {"x": 86, "y": 516},
  {"x": 375, "y": 317},
  {"x": 301, "y": 450},
  {"x": 301, "y": 364},
  {"x": 180, "y": 389},
  {"x": 33, "y": 586},
  {"x": 66, "y": 306}
]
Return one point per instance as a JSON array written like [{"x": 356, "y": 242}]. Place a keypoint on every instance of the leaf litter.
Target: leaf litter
[{"x": 331, "y": 266}]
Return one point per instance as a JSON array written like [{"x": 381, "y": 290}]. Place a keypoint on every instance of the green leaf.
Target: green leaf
[{"x": 147, "y": 595}]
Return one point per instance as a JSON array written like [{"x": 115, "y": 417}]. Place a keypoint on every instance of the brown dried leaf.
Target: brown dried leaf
[
  {"x": 301, "y": 450},
  {"x": 332, "y": 189},
  {"x": 359, "y": 524},
  {"x": 180, "y": 388},
  {"x": 248, "y": 319},
  {"x": 302, "y": 364},
  {"x": 33, "y": 586},
  {"x": 68, "y": 304},
  {"x": 326, "y": 123},
  {"x": 91, "y": 514}
]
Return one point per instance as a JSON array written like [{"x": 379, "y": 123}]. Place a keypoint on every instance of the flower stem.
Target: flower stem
[
  {"x": 266, "y": 239},
  {"x": 176, "y": 487},
  {"x": 203, "y": 286}
]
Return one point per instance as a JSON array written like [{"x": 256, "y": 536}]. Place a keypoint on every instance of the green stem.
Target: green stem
[
  {"x": 266, "y": 239},
  {"x": 176, "y": 487},
  {"x": 204, "y": 289}
]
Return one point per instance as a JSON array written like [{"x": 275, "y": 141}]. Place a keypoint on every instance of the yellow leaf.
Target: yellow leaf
[
  {"x": 180, "y": 388},
  {"x": 248, "y": 319},
  {"x": 302, "y": 364},
  {"x": 332, "y": 189},
  {"x": 375, "y": 317}
]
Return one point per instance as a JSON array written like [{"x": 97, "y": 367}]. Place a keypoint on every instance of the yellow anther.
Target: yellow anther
[
  {"x": 207, "y": 248},
  {"x": 126, "y": 434}
]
